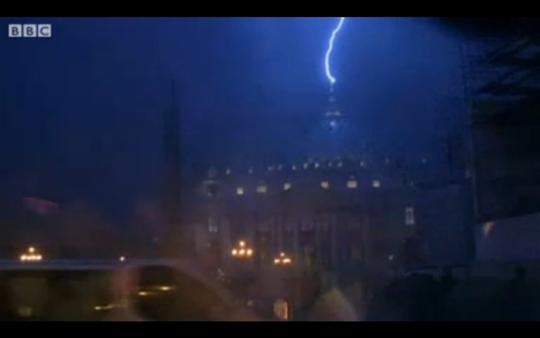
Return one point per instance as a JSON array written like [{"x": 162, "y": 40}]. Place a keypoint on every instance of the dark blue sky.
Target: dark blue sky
[{"x": 81, "y": 112}]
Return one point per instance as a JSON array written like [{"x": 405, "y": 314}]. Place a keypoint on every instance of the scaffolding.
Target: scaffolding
[{"x": 502, "y": 92}]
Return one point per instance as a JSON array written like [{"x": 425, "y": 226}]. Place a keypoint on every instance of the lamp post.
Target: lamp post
[
  {"x": 31, "y": 255},
  {"x": 282, "y": 260},
  {"x": 242, "y": 251}
]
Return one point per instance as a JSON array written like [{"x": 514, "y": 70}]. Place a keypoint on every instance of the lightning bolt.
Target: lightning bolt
[{"x": 331, "y": 78}]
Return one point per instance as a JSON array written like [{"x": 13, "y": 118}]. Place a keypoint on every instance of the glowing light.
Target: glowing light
[
  {"x": 242, "y": 251},
  {"x": 282, "y": 259},
  {"x": 329, "y": 75},
  {"x": 325, "y": 185},
  {"x": 103, "y": 307},
  {"x": 240, "y": 191},
  {"x": 286, "y": 186},
  {"x": 487, "y": 228},
  {"x": 31, "y": 255},
  {"x": 281, "y": 309},
  {"x": 376, "y": 184},
  {"x": 121, "y": 258}
]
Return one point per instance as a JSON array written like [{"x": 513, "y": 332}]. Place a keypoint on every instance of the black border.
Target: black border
[
  {"x": 273, "y": 8},
  {"x": 269, "y": 329}
]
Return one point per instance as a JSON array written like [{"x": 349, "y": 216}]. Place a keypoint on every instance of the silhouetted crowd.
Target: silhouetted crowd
[{"x": 424, "y": 297}]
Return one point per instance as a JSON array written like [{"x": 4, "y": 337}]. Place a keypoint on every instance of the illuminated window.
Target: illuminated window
[
  {"x": 352, "y": 183},
  {"x": 281, "y": 309},
  {"x": 325, "y": 184},
  {"x": 376, "y": 184},
  {"x": 340, "y": 164},
  {"x": 228, "y": 171},
  {"x": 240, "y": 191},
  {"x": 306, "y": 165},
  {"x": 212, "y": 226},
  {"x": 271, "y": 168},
  {"x": 409, "y": 216},
  {"x": 294, "y": 167},
  {"x": 363, "y": 164},
  {"x": 261, "y": 189},
  {"x": 279, "y": 167},
  {"x": 316, "y": 165},
  {"x": 250, "y": 170},
  {"x": 287, "y": 186}
]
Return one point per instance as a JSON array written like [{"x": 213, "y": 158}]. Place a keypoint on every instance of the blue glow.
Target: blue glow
[{"x": 331, "y": 78}]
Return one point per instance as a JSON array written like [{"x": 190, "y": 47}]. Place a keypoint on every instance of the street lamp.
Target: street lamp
[
  {"x": 242, "y": 250},
  {"x": 282, "y": 259},
  {"x": 31, "y": 255}
]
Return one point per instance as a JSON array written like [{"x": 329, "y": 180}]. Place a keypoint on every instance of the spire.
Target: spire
[{"x": 333, "y": 118}]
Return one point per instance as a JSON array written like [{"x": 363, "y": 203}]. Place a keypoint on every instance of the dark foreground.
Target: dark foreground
[{"x": 165, "y": 293}]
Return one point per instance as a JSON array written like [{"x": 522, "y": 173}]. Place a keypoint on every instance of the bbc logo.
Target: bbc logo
[{"x": 29, "y": 30}]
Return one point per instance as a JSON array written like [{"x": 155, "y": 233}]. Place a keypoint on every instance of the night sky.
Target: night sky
[{"x": 81, "y": 113}]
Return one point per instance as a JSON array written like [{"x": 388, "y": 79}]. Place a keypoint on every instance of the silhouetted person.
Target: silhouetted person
[
  {"x": 310, "y": 289},
  {"x": 411, "y": 253},
  {"x": 516, "y": 298},
  {"x": 410, "y": 298},
  {"x": 447, "y": 283}
]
